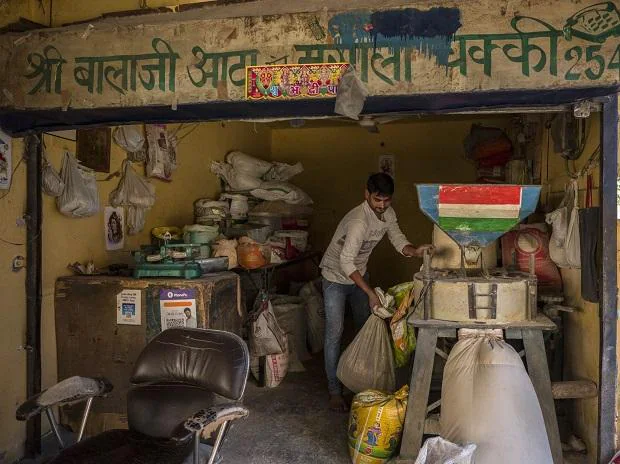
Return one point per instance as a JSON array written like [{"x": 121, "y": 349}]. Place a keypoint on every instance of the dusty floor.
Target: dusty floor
[{"x": 289, "y": 424}]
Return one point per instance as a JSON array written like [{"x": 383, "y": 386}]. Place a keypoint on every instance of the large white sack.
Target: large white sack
[
  {"x": 289, "y": 193},
  {"x": 236, "y": 180},
  {"x": 488, "y": 399},
  {"x": 290, "y": 312},
  {"x": 248, "y": 164},
  {"x": 315, "y": 316}
]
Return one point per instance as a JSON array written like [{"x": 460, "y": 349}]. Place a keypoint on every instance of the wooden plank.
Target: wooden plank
[
  {"x": 608, "y": 424},
  {"x": 574, "y": 389},
  {"x": 540, "y": 323},
  {"x": 539, "y": 373},
  {"x": 420, "y": 385}
]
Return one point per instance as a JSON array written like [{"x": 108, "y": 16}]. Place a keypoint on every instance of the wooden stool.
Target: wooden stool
[{"x": 531, "y": 332}]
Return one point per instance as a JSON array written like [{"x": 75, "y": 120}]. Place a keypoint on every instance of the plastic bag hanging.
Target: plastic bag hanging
[
  {"x": 51, "y": 182},
  {"x": 80, "y": 197},
  {"x": 132, "y": 190}
]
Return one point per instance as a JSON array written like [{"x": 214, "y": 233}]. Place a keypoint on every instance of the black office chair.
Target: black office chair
[{"x": 170, "y": 406}]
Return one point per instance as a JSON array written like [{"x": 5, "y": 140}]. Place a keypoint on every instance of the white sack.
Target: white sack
[
  {"x": 283, "y": 171},
  {"x": 236, "y": 180},
  {"x": 132, "y": 189},
  {"x": 247, "y": 164},
  {"x": 368, "y": 362},
  {"x": 436, "y": 450},
  {"x": 276, "y": 367},
  {"x": 80, "y": 197},
  {"x": 290, "y": 313},
  {"x": 289, "y": 193},
  {"x": 488, "y": 399}
]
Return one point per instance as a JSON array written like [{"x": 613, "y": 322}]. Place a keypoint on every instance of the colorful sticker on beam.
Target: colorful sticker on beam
[{"x": 288, "y": 81}]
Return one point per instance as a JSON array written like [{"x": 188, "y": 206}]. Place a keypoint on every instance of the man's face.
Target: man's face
[
  {"x": 188, "y": 314},
  {"x": 378, "y": 202}
]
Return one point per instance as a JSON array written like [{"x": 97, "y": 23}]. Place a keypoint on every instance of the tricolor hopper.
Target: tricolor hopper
[{"x": 476, "y": 215}]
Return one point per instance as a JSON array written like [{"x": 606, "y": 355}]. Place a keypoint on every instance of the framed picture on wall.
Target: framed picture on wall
[
  {"x": 386, "y": 165},
  {"x": 5, "y": 161},
  {"x": 93, "y": 148}
]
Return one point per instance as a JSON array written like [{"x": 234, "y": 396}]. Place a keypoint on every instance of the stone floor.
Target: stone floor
[{"x": 289, "y": 424}]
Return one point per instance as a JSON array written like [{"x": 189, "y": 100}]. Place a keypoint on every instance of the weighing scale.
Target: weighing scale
[{"x": 168, "y": 261}]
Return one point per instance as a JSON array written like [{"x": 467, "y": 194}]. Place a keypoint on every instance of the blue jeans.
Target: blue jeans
[{"x": 335, "y": 296}]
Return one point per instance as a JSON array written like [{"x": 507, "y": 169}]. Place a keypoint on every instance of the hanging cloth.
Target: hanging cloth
[{"x": 589, "y": 225}]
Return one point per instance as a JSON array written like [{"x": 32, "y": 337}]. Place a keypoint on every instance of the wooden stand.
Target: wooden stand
[{"x": 531, "y": 332}]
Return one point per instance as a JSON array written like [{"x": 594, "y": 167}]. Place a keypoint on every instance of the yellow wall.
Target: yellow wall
[
  {"x": 582, "y": 327},
  {"x": 13, "y": 329},
  {"x": 70, "y": 11},
  {"x": 66, "y": 240},
  {"x": 338, "y": 160},
  {"x": 32, "y": 10}
]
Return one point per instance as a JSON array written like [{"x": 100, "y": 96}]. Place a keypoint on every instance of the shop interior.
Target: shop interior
[{"x": 531, "y": 148}]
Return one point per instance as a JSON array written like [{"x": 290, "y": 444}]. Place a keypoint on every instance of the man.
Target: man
[
  {"x": 344, "y": 269},
  {"x": 190, "y": 321}
]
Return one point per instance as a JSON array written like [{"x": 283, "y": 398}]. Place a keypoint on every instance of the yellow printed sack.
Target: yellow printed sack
[{"x": 376, "y": 425}]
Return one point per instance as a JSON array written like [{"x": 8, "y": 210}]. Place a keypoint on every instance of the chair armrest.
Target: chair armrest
[
  {"x": 207, "y": 421},
  {"x": 72, "y": 390}
]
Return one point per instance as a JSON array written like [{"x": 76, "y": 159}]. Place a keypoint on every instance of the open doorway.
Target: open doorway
[{"x": 337, "y": 156}]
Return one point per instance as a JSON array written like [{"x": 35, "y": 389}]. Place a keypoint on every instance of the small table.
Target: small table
[
  {"x": 531, "y": 332},
  {"x": 267, "y": 271}
]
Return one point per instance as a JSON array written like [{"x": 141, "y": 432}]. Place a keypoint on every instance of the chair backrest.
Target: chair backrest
[{"x": 212, "y": 359}]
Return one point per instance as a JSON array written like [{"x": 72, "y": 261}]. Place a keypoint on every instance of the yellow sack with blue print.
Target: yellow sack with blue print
[{"x": 376, "y": 425}]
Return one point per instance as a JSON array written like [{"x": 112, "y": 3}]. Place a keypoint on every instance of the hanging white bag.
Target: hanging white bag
[
  {"x": 80, "y": 197},
  {"x": 564, "y": 247},
  {"x": 132, "y": 189},
  {"x": 51, "y": 182}
]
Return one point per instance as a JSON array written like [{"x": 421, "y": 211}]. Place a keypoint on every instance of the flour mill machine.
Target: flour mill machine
[{"x": 474, "y": 216}]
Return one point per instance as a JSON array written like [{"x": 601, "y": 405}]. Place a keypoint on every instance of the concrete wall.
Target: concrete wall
[
  {"x": 582, "y": 327},
  {"x": 66, "y": 240},
  {"x": 338, "y": 160}
]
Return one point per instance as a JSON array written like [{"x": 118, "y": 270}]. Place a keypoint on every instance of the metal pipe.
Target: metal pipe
[
  {"x": 197, "y": 435},
  {"x": 218, "y": 442},
  {"x": 54, "y": 425},
  {"x": 89, "y": 403},
  {"x": 33, "y": 286}
]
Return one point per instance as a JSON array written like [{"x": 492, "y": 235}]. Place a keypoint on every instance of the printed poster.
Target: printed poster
[
  {"x": 178, "y": 308},
  {"x": 129, "y": 307},
  {"x": 114, "y": 228},
  {"x": 5, "y": 161},
  {"x": 386, "y": 165}
]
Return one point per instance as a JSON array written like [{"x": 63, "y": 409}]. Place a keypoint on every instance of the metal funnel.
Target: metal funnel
[{"x": 475, "y": 215}]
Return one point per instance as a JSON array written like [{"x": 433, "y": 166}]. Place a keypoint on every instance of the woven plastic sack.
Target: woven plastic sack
[
  {"x": 132, "y": 189},
  {"x": 403, "y": 335},
  {"x": 315, "y": 316},
  {"x": 289, "y": 193},
  {"x": 283, "y": 171},
  {"x": 376, "y": 425},
  {"x": 266, "y": 336},
  {"x": 276, "y": 367},
  {"x": 487, "y": 398},
  {"x": 51, "y": 182},
  {"x": 290, "y": 312},
  {"x": 436, "y": 450},
  {"x": 247, "y": 164},
  {"x": 228, "y": 249},
  {"x": 236, "y": 180},
  {"x": 368, "y": 362},
  {"x": 80, "y": 197},
  {"x": 162, "y": 158}
]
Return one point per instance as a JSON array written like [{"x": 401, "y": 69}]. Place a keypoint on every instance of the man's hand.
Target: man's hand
[
  {"x": 411, "y": 251},
  {"x": 373, "y": 299}
]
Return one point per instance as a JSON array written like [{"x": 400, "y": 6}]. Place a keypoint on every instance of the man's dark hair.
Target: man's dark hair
[{"x": 380, "y": 183}]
